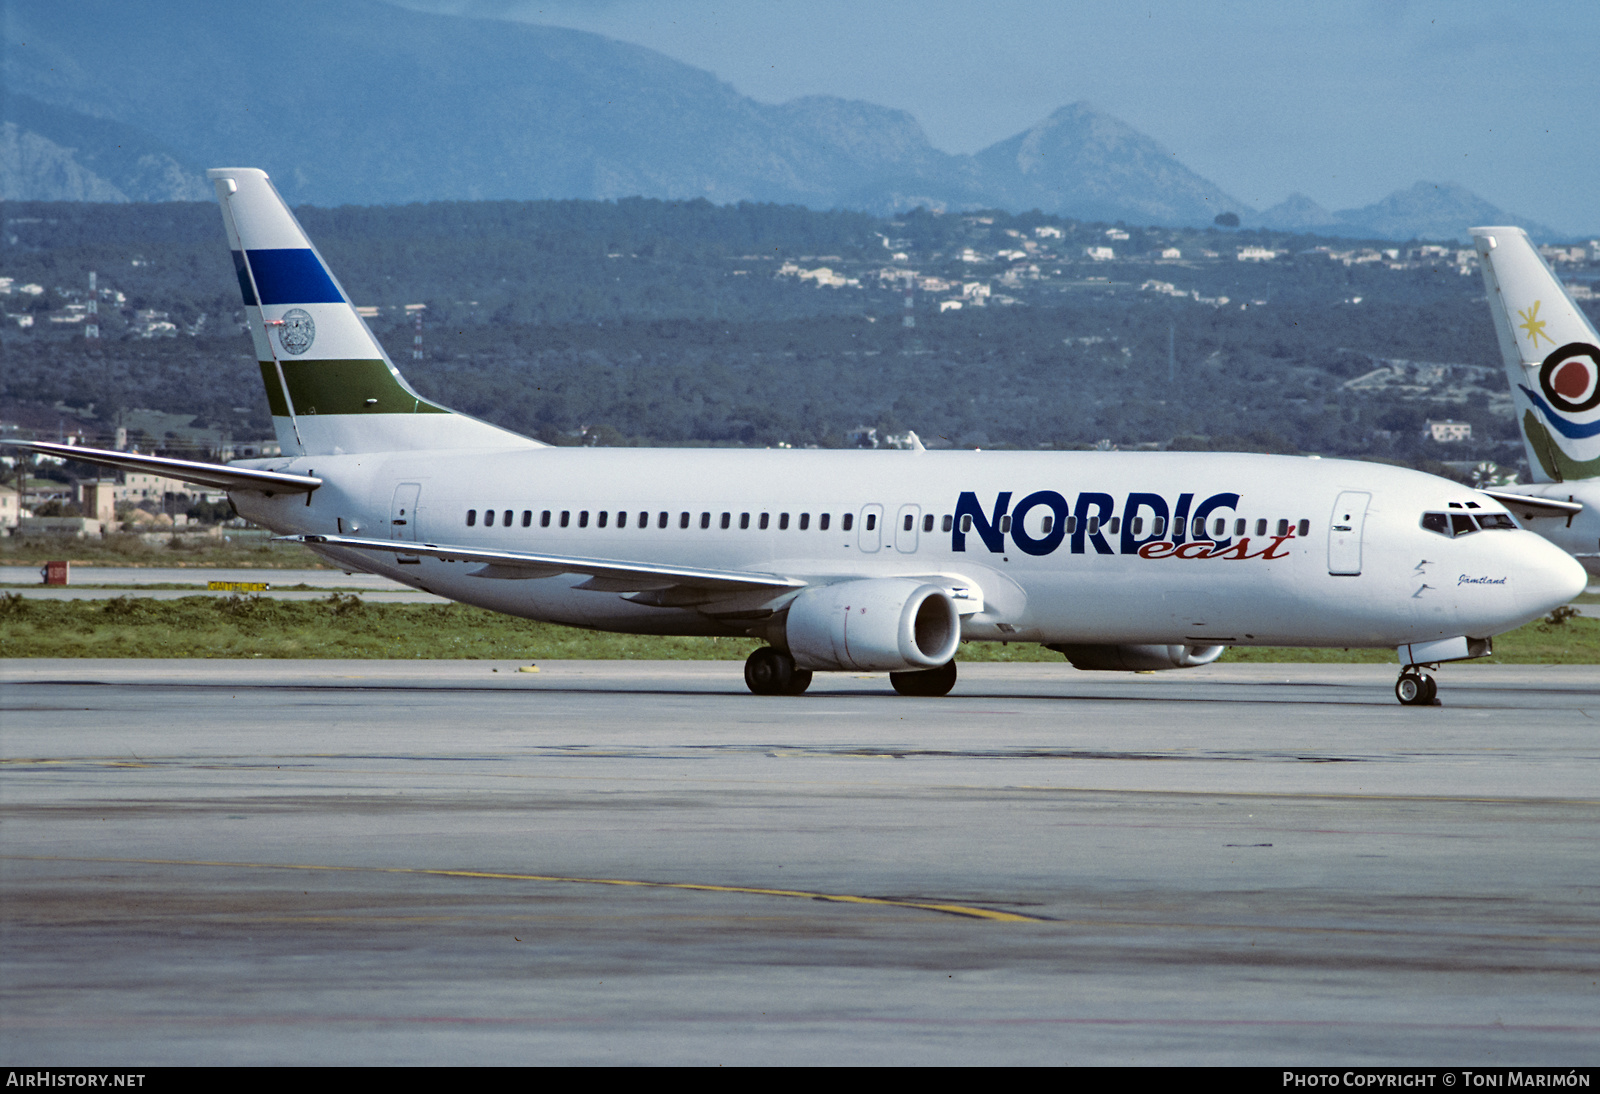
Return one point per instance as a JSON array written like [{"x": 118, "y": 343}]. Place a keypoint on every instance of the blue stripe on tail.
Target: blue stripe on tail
[
  {"x": 286, "y": 275},
  {"x": 1571, "y": 430}
]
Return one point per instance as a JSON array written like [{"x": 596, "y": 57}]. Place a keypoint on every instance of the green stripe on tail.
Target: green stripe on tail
[{"x": 341, "y": 387}]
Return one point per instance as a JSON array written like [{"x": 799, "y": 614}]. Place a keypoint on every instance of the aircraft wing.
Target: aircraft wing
[
  {"x": 1526, "y": 506},
  {"x": 218, "y": 476},
  {"x": 605, "y": 575}
]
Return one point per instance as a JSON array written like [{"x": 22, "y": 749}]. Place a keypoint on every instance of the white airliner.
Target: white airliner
[
  {"x": 851, "y": 561},
  {"x": 1552, "y": 356}
]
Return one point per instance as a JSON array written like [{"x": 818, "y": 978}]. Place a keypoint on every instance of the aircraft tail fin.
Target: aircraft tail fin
[
  {"x": 1551, "y": 354},
  {"x": 331, "y": 386}
]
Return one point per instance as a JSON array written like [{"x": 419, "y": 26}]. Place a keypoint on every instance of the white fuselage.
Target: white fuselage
[{"x": 1036, "y": 575}]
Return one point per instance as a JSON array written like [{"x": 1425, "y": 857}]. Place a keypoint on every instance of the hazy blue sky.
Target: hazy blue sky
[{"x": 1344, "y": 102}]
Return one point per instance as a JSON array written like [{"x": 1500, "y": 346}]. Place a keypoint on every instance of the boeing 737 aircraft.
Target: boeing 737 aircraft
[
  {"x": 1552, "y": 356},
  {"x": 850, "y": 561}
]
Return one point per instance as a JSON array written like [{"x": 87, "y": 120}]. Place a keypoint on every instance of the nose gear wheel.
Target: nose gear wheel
[{"x": 1416, "y": 688}]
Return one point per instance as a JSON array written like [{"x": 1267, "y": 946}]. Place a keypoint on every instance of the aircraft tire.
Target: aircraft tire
[
  {"x": 1415, "y": 689},
  {"x": 799, "y": 680},
  {"x": 770, "y": 672},
  {"x": 927, "y": 683}
]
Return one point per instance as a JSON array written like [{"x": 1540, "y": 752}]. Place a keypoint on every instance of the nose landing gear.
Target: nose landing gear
[{"x": 1416, "y": 687}]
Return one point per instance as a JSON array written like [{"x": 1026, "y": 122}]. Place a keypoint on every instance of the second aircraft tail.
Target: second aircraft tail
[{"x": 1551, "y": 354}]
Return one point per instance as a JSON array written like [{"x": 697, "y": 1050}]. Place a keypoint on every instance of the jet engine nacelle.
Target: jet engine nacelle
[
  {"x": 876, "y": 624},
  {"x": 1139, "y": 658}
]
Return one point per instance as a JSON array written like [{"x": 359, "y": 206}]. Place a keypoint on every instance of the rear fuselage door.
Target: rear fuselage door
[
  {"x": 403, "y": 516},
  {"x": 1344, "y": 533}
]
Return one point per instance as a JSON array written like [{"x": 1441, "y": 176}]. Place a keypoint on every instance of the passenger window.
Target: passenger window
[
  {"x": 544, "y": 519},
  {"x": 1005, "y": 524},
  {"x": 1461, "y": 524},
  {"x": 727, "y": 519},
  {"x": 1047, "y": 524},
  {"x": 1072, "y": 526},
  {"x": 644, "y": 520},
  {"x": 488, "y": 518},
  {"x": 1283, "y": 527},
  {"x": 762, "y": 523},
  {"x": 927, "y": 523},
  {"x": 1158, "y": 526},
  {"x": 910, "y": 520},
  {"x": 566, "y": 516},
  {"x": 1239, "y": 526},
  {"x": 966, "y": 523},
  {"x": 1436, "y": 522},
  {"x": 600, "y": 518},
  {"x": 947, "y": 522},
  {"x": 661, "y": 521},
  {"x": 705, "y": 521},
  {"x": 1305, "y": 528},
  {"x": 783, "y": 522},
  {"x": 872, "y": 521},
  {"x": 1138, "y": 525},
  {"x": 1199, "y": 528},
  {"x": 527, "y": 518},
  {"x": 507, "y": 521},
  {"x": 583, "y": 518},
  {"x": 472, "y": 517},
  {"x": 744, "y": 521},
  {"x": 1094, "y": 525},
  {"x": 683, "y": 520},
  {"x": 1261, "y": 527},
  {"x": 622, "y": 519},
  {"x": 805, "y": 521},
  {"x": 1219, "y": 528},
  {"x": 848, "y": 521},
  {"x": 822, "y": 523},
  {"x": 1114, "y": 525}
]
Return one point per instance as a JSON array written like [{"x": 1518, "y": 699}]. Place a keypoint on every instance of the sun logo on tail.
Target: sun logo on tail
[{"x": 1534, "y": 325}]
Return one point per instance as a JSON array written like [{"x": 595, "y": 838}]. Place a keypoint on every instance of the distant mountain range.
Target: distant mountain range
[{"x": 361, "y": 102}]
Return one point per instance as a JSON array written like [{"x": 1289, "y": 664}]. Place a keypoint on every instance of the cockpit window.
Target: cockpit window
[{"x": 1464, "y": 524}]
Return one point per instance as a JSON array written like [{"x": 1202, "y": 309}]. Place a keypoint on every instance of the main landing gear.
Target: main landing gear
[
  {"x": 930, "y": 683},
  {"x": 1416, "y": 687},
  {"x": 772, "y": 672}
]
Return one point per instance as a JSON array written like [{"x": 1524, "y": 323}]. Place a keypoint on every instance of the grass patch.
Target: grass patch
[
  {"x": 246, "y": 551},
  {"x": 342, "y": 626}
]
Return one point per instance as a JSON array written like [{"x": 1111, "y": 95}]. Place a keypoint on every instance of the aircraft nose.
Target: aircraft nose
[{"x": 1546, "y": 576}]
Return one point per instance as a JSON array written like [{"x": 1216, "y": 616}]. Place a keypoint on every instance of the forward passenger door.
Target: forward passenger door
[{"x": 1344, "y": 533}]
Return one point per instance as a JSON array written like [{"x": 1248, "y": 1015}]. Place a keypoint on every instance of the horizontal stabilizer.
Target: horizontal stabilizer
[
  {"x": 611, "y": 575},
  {"x": 215, "y": 475},
  {"x": 1526, "y": 506}
]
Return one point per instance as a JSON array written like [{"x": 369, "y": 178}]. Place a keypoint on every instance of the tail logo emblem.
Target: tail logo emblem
[
  {"x": 1533, "y": 324},
  {"x": 1570, "y": 378},
  {"x": 296, "y": 331}
]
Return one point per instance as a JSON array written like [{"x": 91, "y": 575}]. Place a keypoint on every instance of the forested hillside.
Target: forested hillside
[{"x": 649, "y": 322}]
